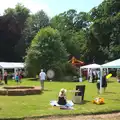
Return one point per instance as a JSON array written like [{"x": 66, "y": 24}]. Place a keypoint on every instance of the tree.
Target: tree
[
  {"x": 46, "y": 51},
  {"x": 72, "y": 27},
  {"x": 11, "y": 27},
  {"x": 33, "y": 24},
  {"x": 105, "y": 30}
]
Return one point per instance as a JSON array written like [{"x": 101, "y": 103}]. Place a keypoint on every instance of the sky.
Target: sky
[{"x": 51, "y": 7}]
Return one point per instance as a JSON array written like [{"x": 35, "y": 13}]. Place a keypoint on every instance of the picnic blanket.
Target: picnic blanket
[{"x": 69, "y": 104}]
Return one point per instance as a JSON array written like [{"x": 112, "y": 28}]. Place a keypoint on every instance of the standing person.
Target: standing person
[
  {"x": 5, "y": 77},
  {"x": 93, "y": 76},
  {"x": 42, "y": 77},
  {"x": 104, "y": 81},
  {"x": 98, "y": 85},
  {"x": 20, "y": 76},
  {"x": 90, "y": 75},
  {"x": 0, "y": 78},
  {"x": 17, "y": 78}
]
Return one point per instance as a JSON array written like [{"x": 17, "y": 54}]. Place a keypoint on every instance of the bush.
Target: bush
[
  {"x": 70, "y": 69},
  {"x": 65, "y": 72}
]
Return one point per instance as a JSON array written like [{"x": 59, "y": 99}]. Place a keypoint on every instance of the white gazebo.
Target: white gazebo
[
  {"x": 93, "y": 66},
  {"x": 11, "y": 65},
  {"x": 112, "y": 64},
  {"x": 90, "y": 66}
]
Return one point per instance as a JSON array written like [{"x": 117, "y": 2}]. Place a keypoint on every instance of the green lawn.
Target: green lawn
[{"x": 38, "y": 105}]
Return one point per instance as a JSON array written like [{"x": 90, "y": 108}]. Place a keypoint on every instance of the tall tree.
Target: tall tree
[
  {"x": 105, "y": 29},
  {"x": 33, "y": 24},
  {"x": 11, "y": 26},
  {"x": 72, "y": 29},
  {"x": 46, "y": 51}
]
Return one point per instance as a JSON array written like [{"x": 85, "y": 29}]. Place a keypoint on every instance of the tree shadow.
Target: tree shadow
[
  {"x": 115, "y": 99},
  {"x": 33, "y": 79},
  {"x": 47, "y": 90},
  {"x": 110, "y": 93},
  {"x": 83, "y": 102},
  {"x": 111, "y": 81}
]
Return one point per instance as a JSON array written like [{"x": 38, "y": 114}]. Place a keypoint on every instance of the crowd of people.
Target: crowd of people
[
  {"x": 17, "y": 76},
  {"x": 93, "y": 75}
]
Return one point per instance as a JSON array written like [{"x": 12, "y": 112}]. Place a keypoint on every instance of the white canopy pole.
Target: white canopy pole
[
  {"x": 14, "y": 72},
  {"x": 107, "y": 70},
  {"x": 88, "y": 73},
  {"x": 3, "y": 72},
  {"x": 101, "y": 69},
  {"x": 80, "y": 72}
]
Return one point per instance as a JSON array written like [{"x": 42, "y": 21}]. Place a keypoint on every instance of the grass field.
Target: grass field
[{"x": 38, "y": 105}]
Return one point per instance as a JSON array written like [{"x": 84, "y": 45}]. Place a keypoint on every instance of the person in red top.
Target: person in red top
[
  {"x": 5, "y": 77},
  {"x": 20, "y": 75},
  {"x": 0, "y": 77}
]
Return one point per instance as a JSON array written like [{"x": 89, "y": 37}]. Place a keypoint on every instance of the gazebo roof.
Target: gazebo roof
[
  {"x": 11, "y": 65},
  {"x": 94, "y": 66},
  {"x": 113, "y": 64}
]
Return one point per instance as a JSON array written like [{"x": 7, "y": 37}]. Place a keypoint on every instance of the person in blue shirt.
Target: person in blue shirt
[{"x": 17, "y": 78}]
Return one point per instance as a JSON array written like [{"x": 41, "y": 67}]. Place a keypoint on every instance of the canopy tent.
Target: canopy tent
[
  {"x": 92, "y": 66},
  {"x": 10, "y": 65},
  {"x": 113, "y": 64}
]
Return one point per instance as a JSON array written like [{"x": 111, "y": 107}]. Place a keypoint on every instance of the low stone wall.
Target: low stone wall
[
  {"x": 20, "y": 90},
  {"x": 18, "y": 87}
]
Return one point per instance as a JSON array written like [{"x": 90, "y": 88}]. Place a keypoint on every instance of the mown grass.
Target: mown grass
[{"x": 38, "y": 105}]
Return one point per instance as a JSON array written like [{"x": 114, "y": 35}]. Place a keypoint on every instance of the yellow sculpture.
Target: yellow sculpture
[{"x": 98, "y": 101}]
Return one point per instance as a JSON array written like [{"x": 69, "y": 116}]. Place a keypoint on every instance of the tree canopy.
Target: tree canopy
[
  {"x": 92, "y": 36},
  {"x": 46, "y": 51}
]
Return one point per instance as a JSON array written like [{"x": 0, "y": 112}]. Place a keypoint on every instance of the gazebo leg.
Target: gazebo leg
[
  {"x": 3, "y": 73},
  {"x": 88, "y": 73},
  {"x": 101, "y": 70}
]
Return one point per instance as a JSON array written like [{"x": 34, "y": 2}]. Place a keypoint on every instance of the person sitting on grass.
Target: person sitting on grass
[{"x": 62, "y": 97}]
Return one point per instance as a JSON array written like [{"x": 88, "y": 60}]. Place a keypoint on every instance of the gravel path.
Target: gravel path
[{"x": 112, "y": 116}]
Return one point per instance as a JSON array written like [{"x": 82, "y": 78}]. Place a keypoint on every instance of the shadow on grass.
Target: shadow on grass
[
  {"x": 111, "y": 81},
  {"x": 47, "y": 90},
  {"x": 33, "y": 79},
  {"x": 115, "y": 99},
  {"x": 84, "y": 102},
  {"x": 110, "y": 93}
]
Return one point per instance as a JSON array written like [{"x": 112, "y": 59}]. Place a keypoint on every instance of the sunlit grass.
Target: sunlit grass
[{"x": 38, "y": 105}]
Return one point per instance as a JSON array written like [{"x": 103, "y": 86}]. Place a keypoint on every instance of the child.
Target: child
[
  {"x": 17, "y": 78},
  {"x": 62, "y": 97}
]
